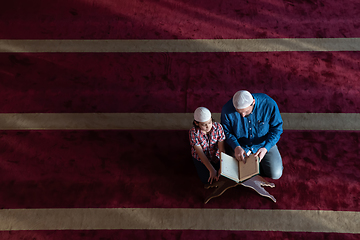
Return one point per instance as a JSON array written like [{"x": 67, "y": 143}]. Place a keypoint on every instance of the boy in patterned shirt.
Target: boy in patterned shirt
[{"x": 207, "y": 141}]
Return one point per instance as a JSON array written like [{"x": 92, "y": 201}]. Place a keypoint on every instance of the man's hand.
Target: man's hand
[
  {"x": 261, "y": 153},
  {"x": 240, "y": 154}
]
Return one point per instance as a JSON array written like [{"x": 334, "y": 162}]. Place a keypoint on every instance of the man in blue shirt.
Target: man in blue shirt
[{"x": 252, "y": 124}]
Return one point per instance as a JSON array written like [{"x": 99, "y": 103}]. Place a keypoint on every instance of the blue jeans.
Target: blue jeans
[
  {"x": 202, "y": 171},
  {"x": 271, "y": 165}
]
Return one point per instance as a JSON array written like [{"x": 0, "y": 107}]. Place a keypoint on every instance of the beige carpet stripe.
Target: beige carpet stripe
[
  {"x": 183, "y": 219},
  {"x": 182, "y": 45},
  {"x": 161, "y": 121}
]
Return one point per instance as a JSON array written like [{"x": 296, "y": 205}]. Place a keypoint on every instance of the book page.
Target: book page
[
  {"x": 250, "y": 168},
  {"x": 229, "y": 167}
]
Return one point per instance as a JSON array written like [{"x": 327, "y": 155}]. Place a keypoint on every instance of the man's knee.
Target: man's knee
[
  {"x": 276, "y": 173},
  {"x": 275, "y": 160}
]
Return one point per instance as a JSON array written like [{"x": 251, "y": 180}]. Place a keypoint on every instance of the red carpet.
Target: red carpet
[
  {"x": 75, "y": 169},
  {"x": 167, "y": 19},
  {"x": 98, "y": 169},
  {"x": 166, "y": 234},
  {"x": 103, "y": 82}
]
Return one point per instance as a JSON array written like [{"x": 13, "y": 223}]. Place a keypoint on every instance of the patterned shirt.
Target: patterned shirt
[{"x": 208, "y": 142}]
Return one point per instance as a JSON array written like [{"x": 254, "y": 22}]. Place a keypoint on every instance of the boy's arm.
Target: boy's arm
[
  {"x": 208, "y": 165},
  {"x": 221, "y": 146}
]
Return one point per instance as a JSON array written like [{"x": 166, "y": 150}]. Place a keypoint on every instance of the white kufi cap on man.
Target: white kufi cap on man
[
  {"x": 242, "y": 99},
  {"x": 202, "y": 114}
]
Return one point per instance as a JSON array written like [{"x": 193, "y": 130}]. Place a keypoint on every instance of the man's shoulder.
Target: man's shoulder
[
  {"x": 228, "y": 107},
  {"x": 263, "y": 98}
]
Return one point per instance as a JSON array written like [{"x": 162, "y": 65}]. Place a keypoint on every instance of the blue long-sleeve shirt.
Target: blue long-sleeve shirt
[{"x": 262, "y": 128}]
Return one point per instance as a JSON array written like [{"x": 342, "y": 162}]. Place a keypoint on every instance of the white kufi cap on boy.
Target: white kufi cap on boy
[
  {"x": 242, "y": 99},
  {"x": 202, "y": 114}
]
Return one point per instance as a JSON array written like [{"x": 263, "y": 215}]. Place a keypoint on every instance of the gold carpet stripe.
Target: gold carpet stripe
[
  {"x": 181, "y": 45},
  {"x": 180, "y": 219},
  {"x": 161, "y": 121}
]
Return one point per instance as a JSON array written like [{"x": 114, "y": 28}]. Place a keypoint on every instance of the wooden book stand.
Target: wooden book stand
[{"x": 257, "y": 183}]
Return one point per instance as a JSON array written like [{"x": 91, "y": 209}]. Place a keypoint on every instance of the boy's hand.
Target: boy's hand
[{"x": 213, "y": 176}]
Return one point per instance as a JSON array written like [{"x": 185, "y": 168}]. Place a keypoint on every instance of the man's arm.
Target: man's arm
[
  {"x": 228, "y": 130},
  {"x": 239, "y": 152},
  {"x": 275, "y": 129}
]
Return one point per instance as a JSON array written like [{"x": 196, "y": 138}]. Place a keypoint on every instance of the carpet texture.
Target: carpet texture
[
  {"x": 121, "y": 82},
  {"x": 168, "y": 19},
  {"x": 142, "y": 169},
  {"x": 173, "y": 234},
  {"x": 135, "y": 169}
]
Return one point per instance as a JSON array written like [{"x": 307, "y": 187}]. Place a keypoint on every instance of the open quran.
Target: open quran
[{"x": 238, "y": 170}]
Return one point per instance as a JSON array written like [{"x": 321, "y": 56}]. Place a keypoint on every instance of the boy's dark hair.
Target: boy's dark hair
[{"x": 196, "y": 126}]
